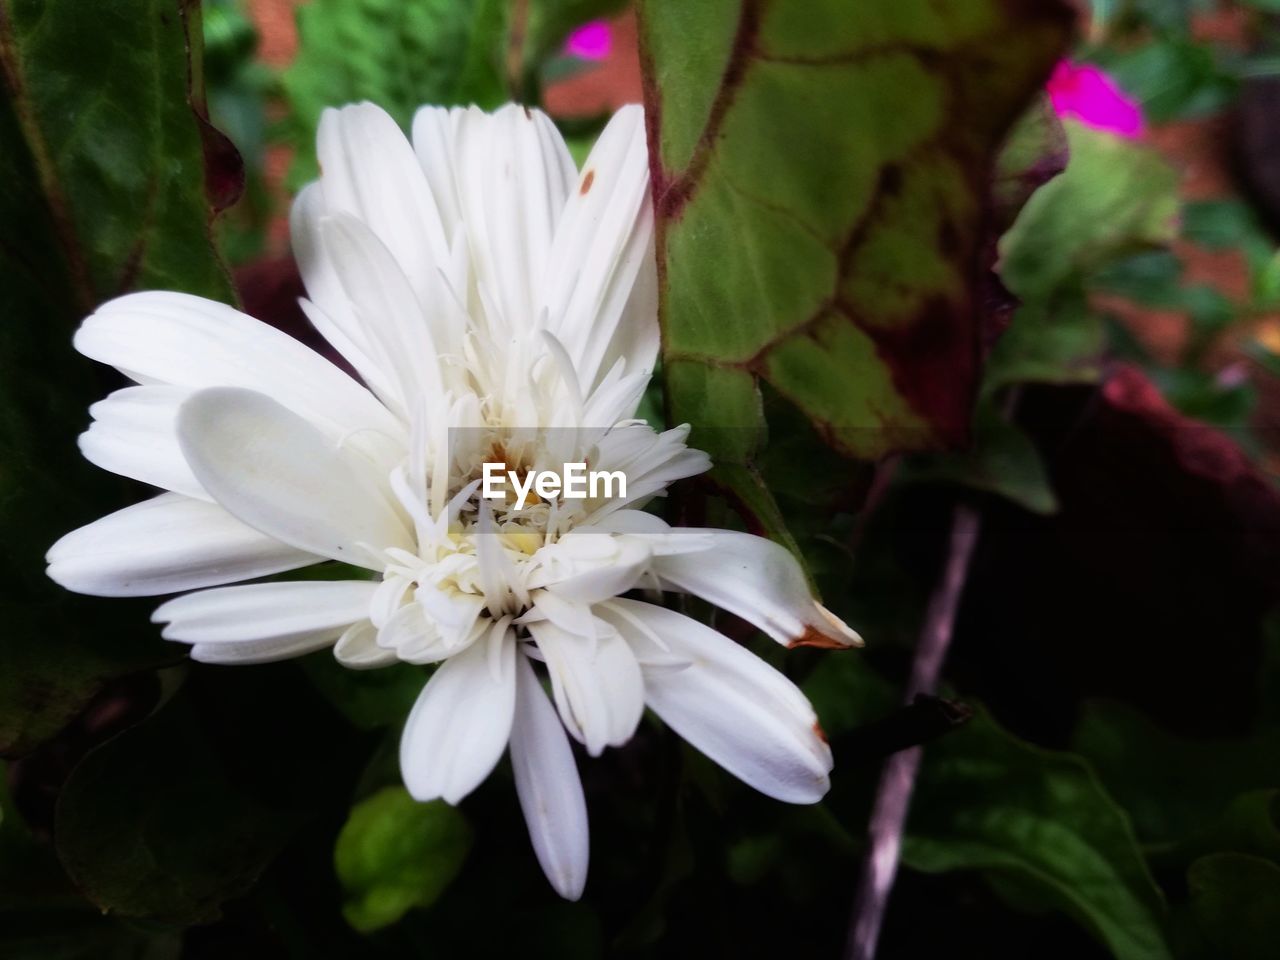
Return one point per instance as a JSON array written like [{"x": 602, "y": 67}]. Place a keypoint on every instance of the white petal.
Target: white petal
[
  {"x": 135, "y": 434},
  {"x": 279, "y": 474},
  {"x": 575, "y": 618},
  {"x": 369, "y": 171},
  {"x": 174, "y": 338},
  {"x": 461, "y": 722},
  {"x": 165, "y": 545},
  {"x": 759, "y": 581},
  {"x": 728, "y": 703},
  {"x": 656, "y": 533},
  {"x": 454, "y": 613},
  {"x": 411, "y": 636},
  {"x": 495, "y": 569},
  {"x": 514, "y": 175},
  {"x": 585, "y": 567},
  {"x": 391, "y": 316},
  {"x": 602, "y": 247},
  {"x": 336, "y": 320},
  {"x": 596, "y": 683},
  {"x": 638, "y": 338},
  {"x": 358, "y": 648},
  {"x": 617, "y": 395},
  {"x": 264, "y": 651},
  {"x": 549, "y": 787},
  {"x": 265, "y": 611},
  {"x": 650, "y": 461},
  {"x": 434, "y": 142},
  {"x": 416, "y": 638}
]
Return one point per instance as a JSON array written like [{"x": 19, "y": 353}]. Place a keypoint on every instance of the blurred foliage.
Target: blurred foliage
[
  {"x": 397, "y": 55},
  {"x": 400, "y": 56},
  {"x": 816, "y": 168},
  {"x": 1153, "y": 51}
]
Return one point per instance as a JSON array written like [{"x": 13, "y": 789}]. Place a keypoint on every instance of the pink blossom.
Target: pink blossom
[
  {"x": 591, "y": 41},
  {"x": 1085, "y": 93}
]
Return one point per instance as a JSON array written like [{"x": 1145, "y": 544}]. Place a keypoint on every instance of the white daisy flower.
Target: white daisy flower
[{"x": 499, "y": 308}]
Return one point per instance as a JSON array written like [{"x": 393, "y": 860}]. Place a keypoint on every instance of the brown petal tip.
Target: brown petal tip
[
  {"x": 812, "y": 638},
  {"x": 836, "y": 636}
]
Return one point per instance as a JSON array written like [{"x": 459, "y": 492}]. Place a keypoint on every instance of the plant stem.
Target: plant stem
[{"x": 897, "y": 780}]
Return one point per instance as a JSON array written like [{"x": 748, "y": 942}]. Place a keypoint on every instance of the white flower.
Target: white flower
[{"x": 499, "y": 307}]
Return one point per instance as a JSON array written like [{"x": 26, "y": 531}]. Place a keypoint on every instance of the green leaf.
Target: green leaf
[
  {"x": 43, "y": 917},
  {"x": 1003, "y": 460},
  {"x": 107, "y": 137},
  {"x": 1219, "y": 224},
  {"x": 1235, "y": 906},
  {"x": 1250, "y": 824},
  {"x": 398, "y": 55},
  {"x": 1267, "y": 282},
  {"x": 1150, "y": 278},
  {"x": 151, "y": 825},
  {"x": 988, "y": 801},
  {"x": 1114, "y": 199},
  {"x": 103, "y": 155},
  {"x": 395, "y": 853},
  {"x": 1061, "y": 341},
  {"x": 1201, "y": 395},
  {"x": 820, "y": 174},
  {"x": 1172, "y": 786}
]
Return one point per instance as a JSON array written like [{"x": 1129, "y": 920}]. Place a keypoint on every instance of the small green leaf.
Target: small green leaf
[
  {"x": 988, "y": 801},
  {"x": 394, "y": 854},
  {"x": 1114, "y": 198}
]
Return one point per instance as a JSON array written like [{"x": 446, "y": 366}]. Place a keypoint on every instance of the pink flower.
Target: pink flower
[
  {"x": 591, "y": 41},
  {"x": 1085, "y": 93}
]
